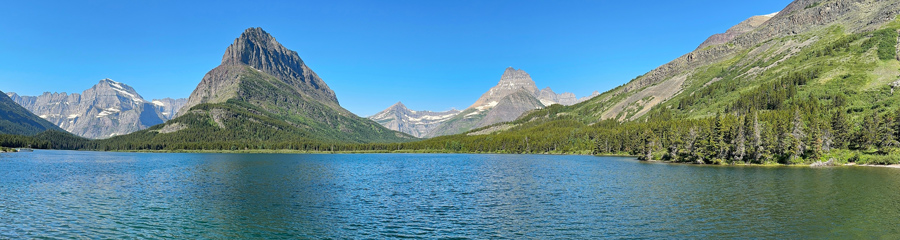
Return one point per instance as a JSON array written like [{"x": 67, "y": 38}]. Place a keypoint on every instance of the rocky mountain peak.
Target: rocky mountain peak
[
  {"x": 109, "y": 87},
  {"x": 517, "y": 79},
  {"x": 251, "y": 45},
  {"x": 260, "y": 51},
  {"x": 398, "y": 105},
  {"x": 512, "y": 81}
]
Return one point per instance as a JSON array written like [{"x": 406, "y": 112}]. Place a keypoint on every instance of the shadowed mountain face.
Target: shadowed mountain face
[
  {"x": 107, "y": 109},
  {"x": 263, "y": 93},
  {"x": 14, "y": 119}
]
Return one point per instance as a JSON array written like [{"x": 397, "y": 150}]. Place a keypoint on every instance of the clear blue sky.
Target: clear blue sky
[{"x": 431, "y": 55}]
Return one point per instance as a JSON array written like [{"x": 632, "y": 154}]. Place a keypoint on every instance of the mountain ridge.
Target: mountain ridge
[
  {"x": 106, "y": 109},
  {"x": 416, "y": 123}
]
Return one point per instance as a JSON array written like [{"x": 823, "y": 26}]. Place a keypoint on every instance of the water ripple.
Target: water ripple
[{"x": 64, "y": 194}]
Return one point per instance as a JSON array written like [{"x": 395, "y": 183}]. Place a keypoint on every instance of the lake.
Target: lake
[{"x": 69, "y": 194}]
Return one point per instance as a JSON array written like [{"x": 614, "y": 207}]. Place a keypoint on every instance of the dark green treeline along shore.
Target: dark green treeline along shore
[{"x": 801, "y": 88}]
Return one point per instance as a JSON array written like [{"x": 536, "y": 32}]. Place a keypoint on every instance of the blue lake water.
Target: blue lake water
[{"x": 68, "y": 194}]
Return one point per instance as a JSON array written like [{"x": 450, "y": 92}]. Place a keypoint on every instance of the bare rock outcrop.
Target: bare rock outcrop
[{"x": 744, "y": 27}]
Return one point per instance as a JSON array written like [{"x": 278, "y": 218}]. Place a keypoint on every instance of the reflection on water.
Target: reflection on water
[{"x": 64, "y": 194}]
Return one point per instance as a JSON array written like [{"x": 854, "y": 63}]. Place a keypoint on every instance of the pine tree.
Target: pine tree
[
  {"x": 719, "y": 145},
  {"x": 757, "y": 139},
  {"x": 692, "y": 153},
  {"x": 815, "y": 141},
  {"x": 840, "y": 129},
  {"x": 868, "y": 135},
  {"x": 797, "y": 136},
  {"x": 739, "y": 143},
  {"x": 649, "y": 142}
]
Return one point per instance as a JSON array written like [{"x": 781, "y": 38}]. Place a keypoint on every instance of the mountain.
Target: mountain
[
  {"x": 516, "y": 93},
  {"x": 416, "y": 123},
  {"x": 260, "y": 52},
  {"x": 107, "y": 109},
  {"x": 513, "y": 82},
  {"x": 261, "y": 94},
  {"x": 16, "y": 120}
]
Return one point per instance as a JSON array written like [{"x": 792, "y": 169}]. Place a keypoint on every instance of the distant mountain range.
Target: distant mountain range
[
  {"x": 261, "y": 94},
  {"x": 415, "y": 123},
  {"x": 107, "y": 109},
  {"x": 515, "y": 94}
]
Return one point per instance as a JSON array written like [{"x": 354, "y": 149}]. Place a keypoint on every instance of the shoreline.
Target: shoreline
[
  {"x": 897, "y": 166},
  {"x": 340, "y": 152},
  {"x": 872, "y": 165}
]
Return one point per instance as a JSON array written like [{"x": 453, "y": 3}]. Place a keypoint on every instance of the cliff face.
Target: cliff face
[{"x": 107, "y": 109}]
